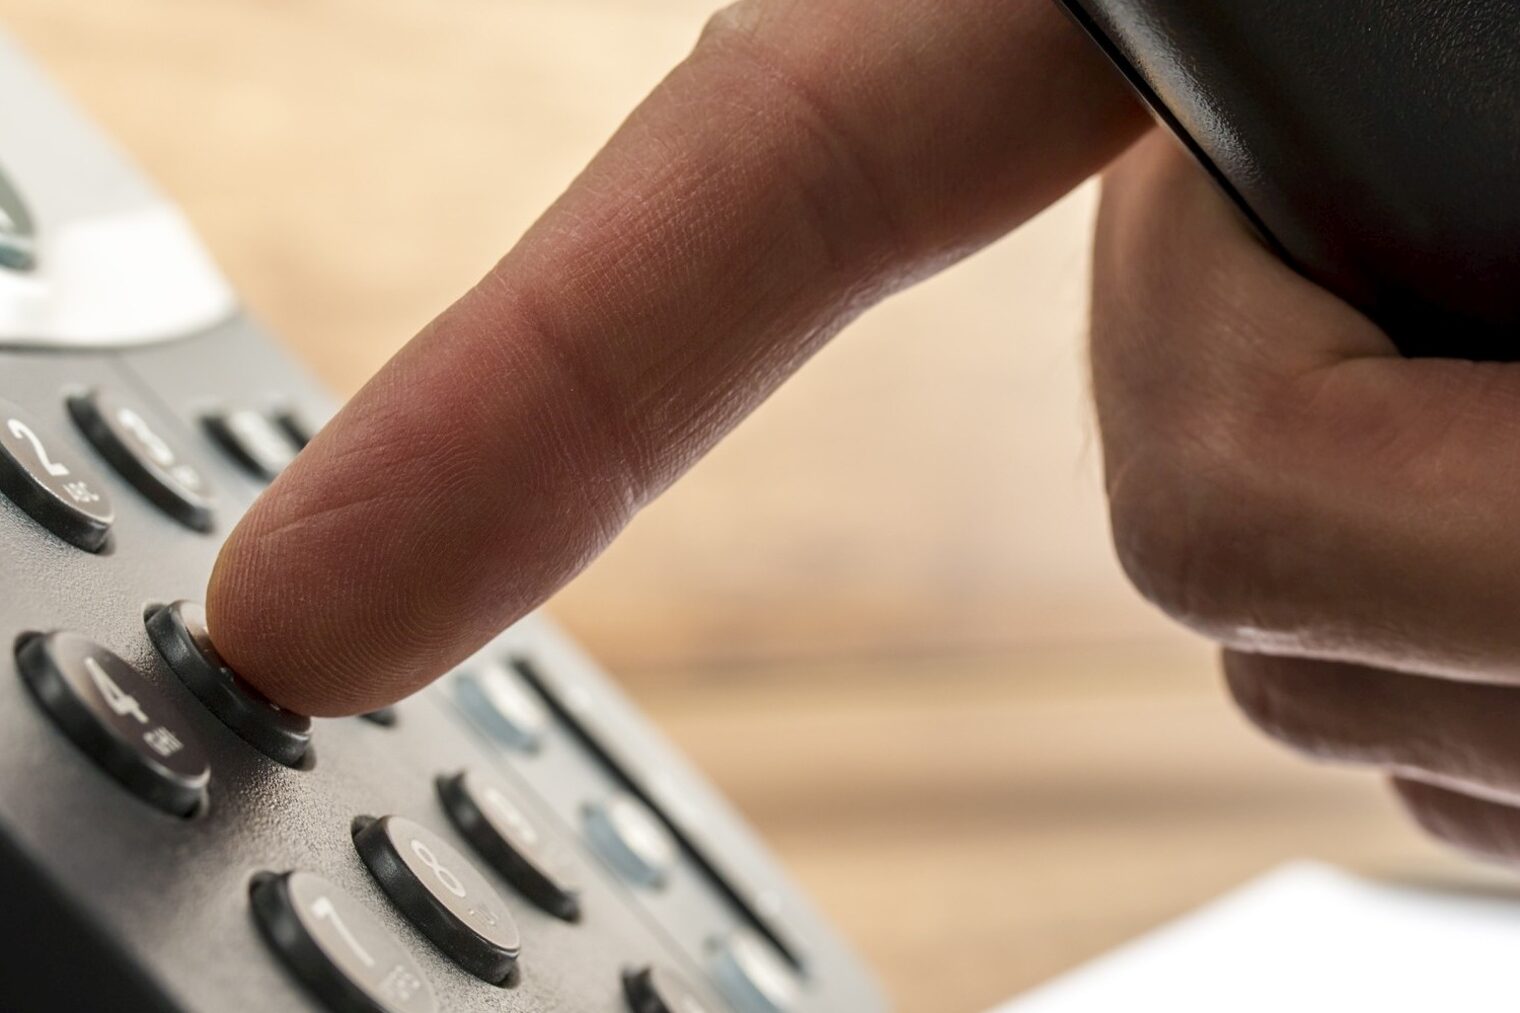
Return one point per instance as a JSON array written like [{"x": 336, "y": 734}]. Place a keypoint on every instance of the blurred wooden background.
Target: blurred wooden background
[{"x": 884, "y": 616}]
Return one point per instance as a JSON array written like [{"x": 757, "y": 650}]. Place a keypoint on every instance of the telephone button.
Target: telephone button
[
  {"x": 631, "y": 837},
  {"x": 141, "y": 455},
  {"x": 250, "y": 439},
  {"x": 43, "y": 478},
  {"x": 753, "y": 974},
  {"x": 336, "y": 948},
  {"x": 297, "y": 425},
  {"x": 497, "y": 697},
  {"x": 657, "y": 990},
  {"x": 179, "y": 633},
  {"x": 444, "y": 895},
  {"x": 501, "y": 833},
  {"x": 117, "y": 718}
]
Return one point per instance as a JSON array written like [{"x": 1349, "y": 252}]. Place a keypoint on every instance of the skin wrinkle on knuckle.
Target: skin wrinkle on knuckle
[
  {"x": 1199, "y": 532},
  {"x": 854, "y": 188},
  {"x": 585, "y": 438},
  {"x": 1199, "y": 427}
]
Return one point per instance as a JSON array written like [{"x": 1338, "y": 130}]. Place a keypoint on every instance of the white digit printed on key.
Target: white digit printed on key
[
  {"x": 322, "y": 907},
  {"x": 450, "y": 881},
  {"x": 22, "y": 431},
  {"x": 118, "y": 699},
  {"x": 509, "y": 813},
  {"x": 138, "y": 427}
]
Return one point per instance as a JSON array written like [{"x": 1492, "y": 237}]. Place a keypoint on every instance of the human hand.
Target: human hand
[
  {"x": 808, "y": 159},
  {"x": 1339, "y": 518}
]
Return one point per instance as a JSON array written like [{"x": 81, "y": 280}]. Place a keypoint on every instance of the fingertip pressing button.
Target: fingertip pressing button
[
  {"x": 179, "y": 633},
  {"x": 336, "y": 948},
  {"x": 250, "y": 439},
  {"x": 140, "y": 454},
  {"x": 50, "y": 483},
  {"x": 629, "y": 836},
  {"x": 117, "y": 718},
  {"x": 442, "y": 893},
  {"x": 501, "y": 833}
]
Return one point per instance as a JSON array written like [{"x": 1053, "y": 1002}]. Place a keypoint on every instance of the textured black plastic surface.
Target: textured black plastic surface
[
  {"x": 166, "y": 899},
  {"x": 1375, "y": 142}
]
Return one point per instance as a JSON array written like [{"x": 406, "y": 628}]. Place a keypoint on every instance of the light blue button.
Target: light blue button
[{"x": 504, "y": 706}]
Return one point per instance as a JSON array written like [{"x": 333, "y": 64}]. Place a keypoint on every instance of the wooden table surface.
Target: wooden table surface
[{"x": 884, "y": 616}]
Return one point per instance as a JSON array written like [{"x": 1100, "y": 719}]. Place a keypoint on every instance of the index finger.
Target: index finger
[{"x": 804, "y": 161}]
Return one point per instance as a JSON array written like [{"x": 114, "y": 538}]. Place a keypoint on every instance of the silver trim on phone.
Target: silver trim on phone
[{"x": 92, "y": 256}]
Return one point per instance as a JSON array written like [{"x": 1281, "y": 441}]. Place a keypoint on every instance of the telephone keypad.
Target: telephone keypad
[
  {"x": 179, "y": 633},
  {"x": 142, "y": 455},
  {"x": 442, "y": 893},
  {"x": 117, "y": 718},
  {"x": 190, "y": 404},
  {"x": 336, "y": 948},
  {"x": 42, "y": 477},
  {"x": 485, "y": 814}
]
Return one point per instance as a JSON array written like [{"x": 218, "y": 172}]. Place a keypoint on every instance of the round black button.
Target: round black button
[
  {"x": 260, "y": 446},
  {"x": 179, "y": 633},
  {"x": 497, "y": 828},
  {"x": 143, "y": 457},
  {"x": 385, "y": 717},
  {"x": 111, "y": 712},
  {"x": 442, "y": 893},
  {"x": 336, "y": 948},
  {"x": 657, "y": 990},
  {"x": 50, "y": 484}
]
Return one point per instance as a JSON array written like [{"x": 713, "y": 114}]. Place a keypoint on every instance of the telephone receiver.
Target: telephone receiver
[{"x": 1374, "y": 143}]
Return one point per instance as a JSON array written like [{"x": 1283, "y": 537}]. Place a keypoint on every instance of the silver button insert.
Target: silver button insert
[
  {"x": 508, "y": 709},
  {"x": 752, "y": 974},
  {"x": 632, "y": 839}
]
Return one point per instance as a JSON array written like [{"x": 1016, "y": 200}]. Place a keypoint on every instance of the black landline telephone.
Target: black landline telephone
[{"x": 516, "y": 837}]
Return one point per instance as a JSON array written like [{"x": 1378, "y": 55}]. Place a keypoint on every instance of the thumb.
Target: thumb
[{"x": 803, "y": 162}]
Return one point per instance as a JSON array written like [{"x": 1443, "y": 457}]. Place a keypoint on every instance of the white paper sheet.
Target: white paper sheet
[{"x": 1308, "y": 937}]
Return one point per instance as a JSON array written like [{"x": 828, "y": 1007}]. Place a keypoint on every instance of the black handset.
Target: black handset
[{"x": 1376, "y": 143}]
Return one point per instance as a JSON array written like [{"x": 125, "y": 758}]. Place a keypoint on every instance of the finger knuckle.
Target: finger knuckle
[
  {"x": 1196, "y": 531},
  {"x": 821, "y": 161}
]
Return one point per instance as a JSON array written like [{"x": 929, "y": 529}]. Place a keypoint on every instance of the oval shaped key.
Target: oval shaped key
[
  {"x": 117, "y": 718},
  {"x": 336, "y": 948},
  {"x": 179, "y": 632},
  {"x": 442, "y": 894}
]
